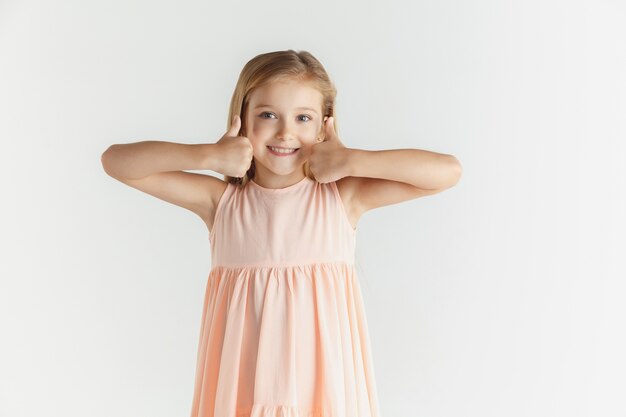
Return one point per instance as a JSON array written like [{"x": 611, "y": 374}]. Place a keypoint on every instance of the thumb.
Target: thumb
[{"x": 235, "y": 126}]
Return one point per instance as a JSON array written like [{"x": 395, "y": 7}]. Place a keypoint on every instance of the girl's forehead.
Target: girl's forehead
[{"x": 286, "y": 93}]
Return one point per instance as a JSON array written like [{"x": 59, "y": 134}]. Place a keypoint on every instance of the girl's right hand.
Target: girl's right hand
[{"x": 235, "y": 152}]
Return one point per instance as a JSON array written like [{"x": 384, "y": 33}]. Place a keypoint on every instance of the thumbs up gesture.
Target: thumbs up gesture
[
  {"x": 328, "y": 158},
  {"x": 234, "y": 152}
]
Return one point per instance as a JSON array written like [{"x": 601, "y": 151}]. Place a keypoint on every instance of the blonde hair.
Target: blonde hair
[{"x": 276, "y": 66}]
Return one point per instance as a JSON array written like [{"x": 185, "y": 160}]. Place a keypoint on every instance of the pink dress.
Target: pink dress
[{"x": 284, "y": 330}]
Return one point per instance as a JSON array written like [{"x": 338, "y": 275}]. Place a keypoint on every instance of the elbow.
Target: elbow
[
  {"x": 106, "y": 160},
  {"x": 456, "y": 171}
]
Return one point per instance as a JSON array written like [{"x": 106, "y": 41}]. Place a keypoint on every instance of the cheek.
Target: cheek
[
  {"x": 261, "y": 129},
  {"x": 257, "y": 135},
  {"x": 257, "y": 146}
]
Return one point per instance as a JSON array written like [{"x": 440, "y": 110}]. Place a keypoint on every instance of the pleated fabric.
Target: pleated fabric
[{"x": 284, "y": 331}]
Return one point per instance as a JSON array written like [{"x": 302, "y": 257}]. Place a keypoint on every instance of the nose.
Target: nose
[{"x": 285, "y": 131}]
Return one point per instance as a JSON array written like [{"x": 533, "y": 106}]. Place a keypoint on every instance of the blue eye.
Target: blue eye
[{"x": 262, "y": 116}]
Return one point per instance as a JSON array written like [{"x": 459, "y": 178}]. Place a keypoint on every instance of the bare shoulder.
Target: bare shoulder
[
  {"x": 347, "y": 187},
  {"x": 216, "y": 190}
]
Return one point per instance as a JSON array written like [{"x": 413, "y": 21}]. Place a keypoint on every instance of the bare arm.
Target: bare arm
[
  {"x": 156, "y": 168},
  {"x": 381, "y": 178},
  {"x": 371, "y": 179},
  {"x": 420, "y": 168},
  {"x": 140, "y": 159}
]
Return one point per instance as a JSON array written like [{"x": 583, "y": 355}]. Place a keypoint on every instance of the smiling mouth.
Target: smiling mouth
[{"x": 281, "y": 150}]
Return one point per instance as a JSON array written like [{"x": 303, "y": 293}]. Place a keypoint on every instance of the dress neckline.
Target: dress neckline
[{"x": 279, "y": 190}]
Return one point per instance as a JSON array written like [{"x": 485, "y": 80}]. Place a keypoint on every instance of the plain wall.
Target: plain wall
[{"x": 502, "y": 296}]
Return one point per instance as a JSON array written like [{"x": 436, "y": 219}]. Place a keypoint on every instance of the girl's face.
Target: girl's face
[{"x": 283, "y": 114}]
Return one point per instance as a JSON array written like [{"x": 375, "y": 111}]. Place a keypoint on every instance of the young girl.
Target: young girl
[{"x": 284, "y": 331}]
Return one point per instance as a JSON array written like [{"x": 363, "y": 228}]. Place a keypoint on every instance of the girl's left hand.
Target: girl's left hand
[{"x": 328, "y": 158}]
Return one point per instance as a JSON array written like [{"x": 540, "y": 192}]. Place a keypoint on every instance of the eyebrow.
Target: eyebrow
[{"x": 297, "y": 108}]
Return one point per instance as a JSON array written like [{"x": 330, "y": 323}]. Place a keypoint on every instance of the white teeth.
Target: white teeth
[{"x": 281, "y": 150}]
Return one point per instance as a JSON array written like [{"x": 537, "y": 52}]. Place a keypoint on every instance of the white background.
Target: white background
[{"x": 503, "y": 296}]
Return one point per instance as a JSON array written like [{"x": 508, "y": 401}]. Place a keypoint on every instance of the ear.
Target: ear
[{"x": 321, "y": 137}]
